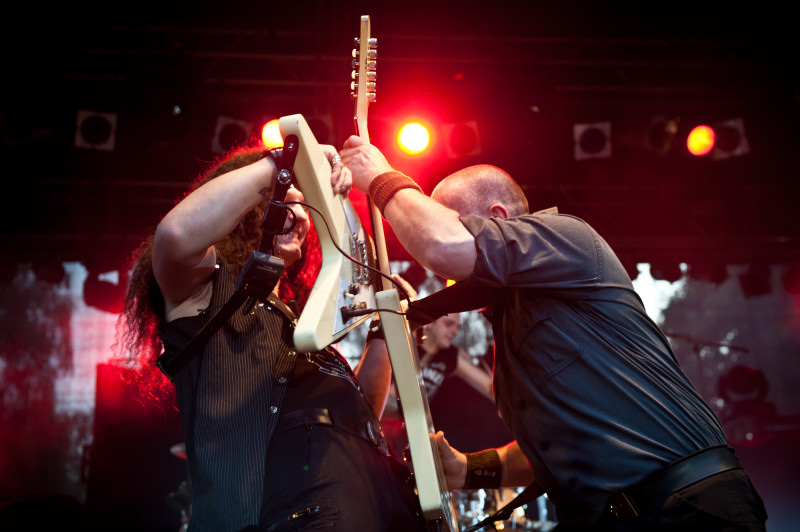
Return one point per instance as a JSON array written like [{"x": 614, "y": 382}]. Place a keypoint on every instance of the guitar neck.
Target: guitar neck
[{"x": 364, "y": 92}]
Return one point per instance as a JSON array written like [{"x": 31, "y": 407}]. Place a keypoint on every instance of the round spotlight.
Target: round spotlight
[
  {"x": 700, "y": 140},
  {"x": 413, "y": 138},
  {"x": 271, "y": 134}
]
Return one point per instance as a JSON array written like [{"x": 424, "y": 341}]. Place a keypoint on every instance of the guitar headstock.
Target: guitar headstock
[{"x": 362, "y": 86}]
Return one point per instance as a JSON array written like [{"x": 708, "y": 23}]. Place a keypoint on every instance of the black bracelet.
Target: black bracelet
[
  {"x": 483, "y": 470},
  {"x": 375, "y": 330},
  {"x": 275, "y": 154}
]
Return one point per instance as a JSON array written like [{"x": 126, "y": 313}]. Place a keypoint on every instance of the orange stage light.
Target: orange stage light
[
  {"x": 271, "y": 135},
  {"x": 700, "y": 140}
]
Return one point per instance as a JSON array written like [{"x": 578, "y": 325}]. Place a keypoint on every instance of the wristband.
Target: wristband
[
  {"x": 375, "y": 330},
  {"x": 384, "y": 186},
  {"x": 483, "y": 470}
]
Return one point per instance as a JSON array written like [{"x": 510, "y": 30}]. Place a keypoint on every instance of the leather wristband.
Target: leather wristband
[
  {"x": 483, "y": 470},
  {"x": 384, "y": 186}
]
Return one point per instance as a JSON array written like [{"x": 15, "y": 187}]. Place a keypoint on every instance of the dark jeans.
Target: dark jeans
[
  {"x": 321, "y": 479},
  {"x": 727, "y": 502}
]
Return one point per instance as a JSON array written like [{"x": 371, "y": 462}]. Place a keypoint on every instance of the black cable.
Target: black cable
[{"x": 367, "y": 266}]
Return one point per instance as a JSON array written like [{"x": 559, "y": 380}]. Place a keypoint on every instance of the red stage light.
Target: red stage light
[
  {"x": 413, "y": 138},
  {"x": 271, "y": 135},
  {"x": 700, "y": 140}
]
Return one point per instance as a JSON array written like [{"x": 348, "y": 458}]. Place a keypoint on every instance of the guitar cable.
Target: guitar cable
[{"x": 361, "y": 312}]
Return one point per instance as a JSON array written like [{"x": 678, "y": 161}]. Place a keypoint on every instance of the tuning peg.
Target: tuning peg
[
  {"x": 373, "y": 42},
  {"x": 371, "y": 97}
]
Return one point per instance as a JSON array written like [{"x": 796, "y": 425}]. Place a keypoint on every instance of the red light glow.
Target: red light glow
[
  {"x": 413, "y": 138},
  {"x": 701, "y": 140},
  {"x": 271, "y": 135}
]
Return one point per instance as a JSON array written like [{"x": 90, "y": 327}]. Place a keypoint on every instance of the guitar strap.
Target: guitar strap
[
  {"x": 261, "y": 273},
  {"x": 455, "y": 298}
]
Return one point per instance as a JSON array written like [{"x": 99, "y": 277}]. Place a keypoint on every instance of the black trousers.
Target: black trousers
[
  {"x": 726, "y": 502},
  {"x": 322, "y": 479}
]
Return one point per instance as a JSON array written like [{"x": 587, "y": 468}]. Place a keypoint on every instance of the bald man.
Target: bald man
[{"x": 605, "y": 420}]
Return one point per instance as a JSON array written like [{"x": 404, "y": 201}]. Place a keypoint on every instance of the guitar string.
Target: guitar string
[{"x": 353, "y": 259}]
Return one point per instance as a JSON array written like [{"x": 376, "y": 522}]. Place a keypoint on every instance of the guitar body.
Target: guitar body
[
  {"x": 341, "y": 282},
  {"x": 434, "y": 497}
]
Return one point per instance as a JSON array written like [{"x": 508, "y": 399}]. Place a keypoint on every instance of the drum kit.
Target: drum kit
[
  {"x": 472, "y": 506},
  {"x": 475, "y": 505}
]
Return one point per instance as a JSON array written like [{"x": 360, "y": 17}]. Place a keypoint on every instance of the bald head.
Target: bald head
[{"x": 474, "y": 189}]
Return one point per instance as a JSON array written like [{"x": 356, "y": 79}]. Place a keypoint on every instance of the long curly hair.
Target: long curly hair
[{"x": 137, "y": 344}]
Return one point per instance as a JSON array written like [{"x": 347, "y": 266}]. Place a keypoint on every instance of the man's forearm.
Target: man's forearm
[{"x": 432, "y": 234}]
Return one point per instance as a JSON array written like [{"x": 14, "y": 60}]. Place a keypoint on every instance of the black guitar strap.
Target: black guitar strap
[{"x": 454, "y": 298}]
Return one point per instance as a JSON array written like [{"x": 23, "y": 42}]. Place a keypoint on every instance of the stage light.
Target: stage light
[
  {"x": 413, "y": 138},
  {"x": 700, "y": 140},
  {"x": 592, "y": 140},
  {"x": 731, "y": 139},
  {"x": 661, "y": 134},
  {"x": 228, "y": 133},
  {"x": 462, "y": 139},
  {"x": 271, "y": 134},
  {"x": 95, "y": 130}
]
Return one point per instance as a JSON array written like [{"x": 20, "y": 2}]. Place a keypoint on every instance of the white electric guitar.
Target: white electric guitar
[
  {"x": 434, "y": 498},
  {"x": 343, "y": 286}
]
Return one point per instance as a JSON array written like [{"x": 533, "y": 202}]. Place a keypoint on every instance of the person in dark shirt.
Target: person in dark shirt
[
  {"x": 440, "y": 359},
  {"x": 275, "y": 439},
  {"x": 605, "y": 420}
]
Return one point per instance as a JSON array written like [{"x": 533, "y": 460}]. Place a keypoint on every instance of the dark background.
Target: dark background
[
  {"x": 169, "y": 74},
  {"x": 524, "y": 73}
]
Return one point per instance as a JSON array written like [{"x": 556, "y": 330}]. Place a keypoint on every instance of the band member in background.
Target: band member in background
[
  {"x": 441, "y": 359},
  {"x": 605, "y": 420},
  {"x": 275, "y": 439}
]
